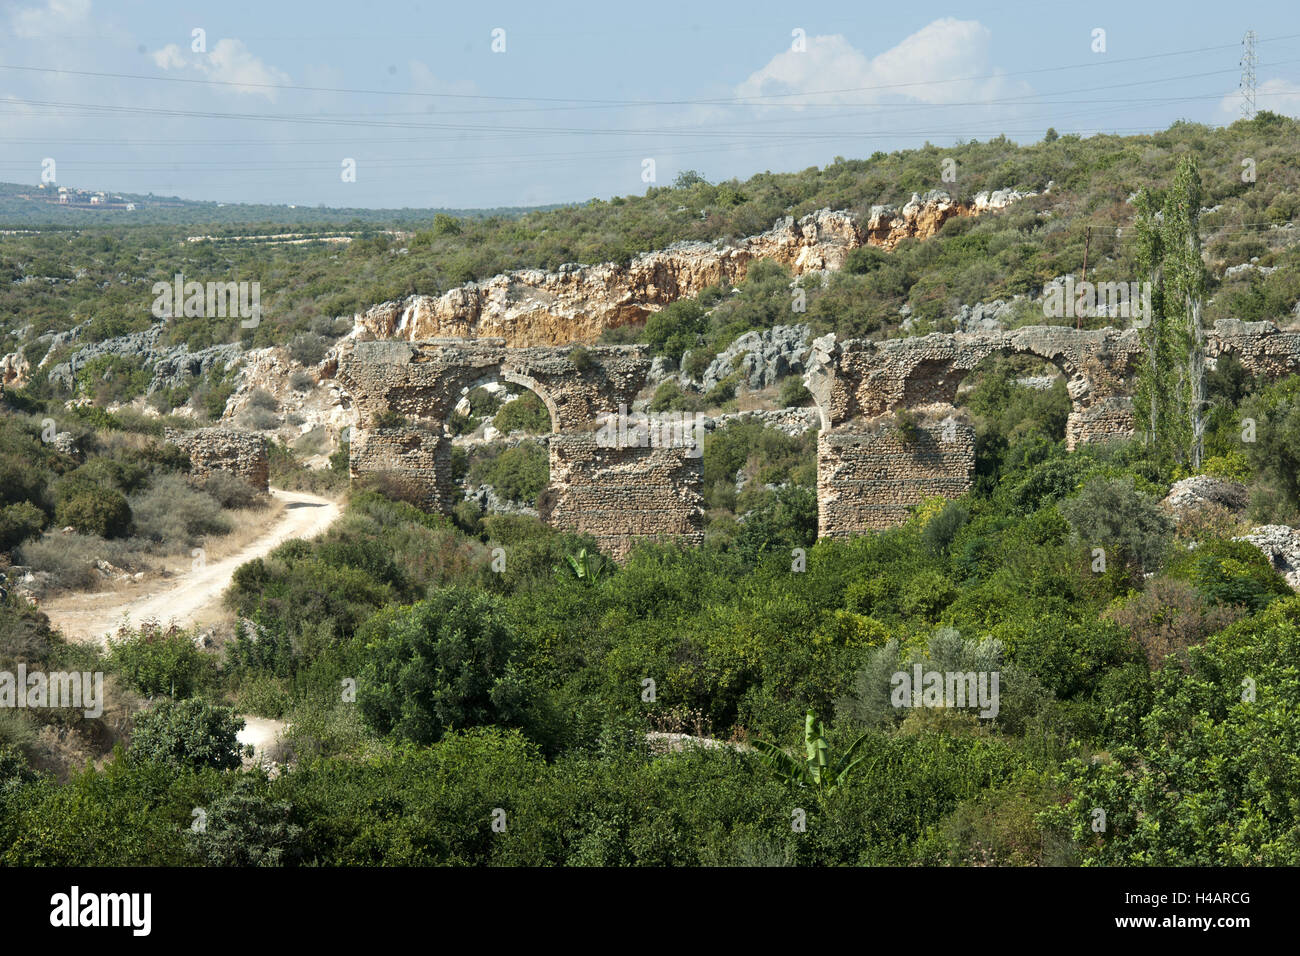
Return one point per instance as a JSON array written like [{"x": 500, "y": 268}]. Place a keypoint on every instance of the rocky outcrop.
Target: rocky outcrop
[
  {"x": 14, "y": 370},
  {"x": 761, "y": 358},
  {"x": 576, "y": 303},
  {"x": 1201, "y": 491},
  {"x": 789, "y": 421},
  {"x": 171, "y": 364},
  {"x": 923, "y": 216},
  {"x": 1281, "y": 545}
]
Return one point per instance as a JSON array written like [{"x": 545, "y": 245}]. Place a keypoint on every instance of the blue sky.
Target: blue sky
[{"x": 282, "y": 94}]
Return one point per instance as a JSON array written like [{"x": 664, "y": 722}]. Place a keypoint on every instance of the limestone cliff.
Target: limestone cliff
[{"x": 576, "y": 303}]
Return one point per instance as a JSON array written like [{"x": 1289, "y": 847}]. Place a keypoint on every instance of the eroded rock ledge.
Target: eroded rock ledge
[{"x": 576, "y": 303}]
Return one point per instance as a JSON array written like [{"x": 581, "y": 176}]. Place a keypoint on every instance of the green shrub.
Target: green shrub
[
  {"x": 188, "y": 734},
  {"x": 20, "y": 522},
  {"x": 527, "y": 413},
  {"x": 518, "y": 474},
  {"x": 157, "y": 661},
  {"x": 794, "y": 394},
  {"x": 439, "y": 665},
  {"x": 95, "y": 510},
  {"x": 1229, "y": 573}
]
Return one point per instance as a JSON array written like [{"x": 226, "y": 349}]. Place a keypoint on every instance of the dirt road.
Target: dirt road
[{"x": 195, "y": 596}]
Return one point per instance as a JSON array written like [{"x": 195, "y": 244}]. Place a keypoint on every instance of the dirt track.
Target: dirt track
[{"x": 193, "y": 597}]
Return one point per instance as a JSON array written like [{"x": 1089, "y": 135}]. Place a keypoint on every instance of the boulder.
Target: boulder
[
  {"x": 1281, "y": 545},
  {"x": 1195, "y": 493}
]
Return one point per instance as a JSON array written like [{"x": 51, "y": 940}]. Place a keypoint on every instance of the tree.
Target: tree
[
  {"x": 1171, "y": 382},
  {"x": 189, "y": 733},
  {"x": 687, "y": 178},
  {"x": 1185, "y": 297},
  {"x": 437, "y": 665},
  {"x": 1112, "y": 514}
]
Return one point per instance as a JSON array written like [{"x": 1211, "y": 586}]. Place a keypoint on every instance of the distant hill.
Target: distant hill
[{"x": 23, "y": 205}]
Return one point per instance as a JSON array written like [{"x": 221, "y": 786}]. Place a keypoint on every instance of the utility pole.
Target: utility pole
[
  {"x": 1248, "y": 63},
  {"x": 1087, "y": 241}
]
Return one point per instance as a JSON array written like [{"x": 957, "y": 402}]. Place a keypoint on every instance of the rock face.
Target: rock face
[
  {"x": 761, "y": 358},
  {"x": 576, "y": 303},
  {"x": 1281, "y": 545},
  {"x": 171, "y": 364},
  {"x": 242, "y": 454},
  {"x": 1194, "y": 494},
  {"x": 14, "y": 369}
]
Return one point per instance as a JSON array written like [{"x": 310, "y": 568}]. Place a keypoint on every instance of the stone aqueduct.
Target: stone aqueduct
[{"x": 868, "y": 472}]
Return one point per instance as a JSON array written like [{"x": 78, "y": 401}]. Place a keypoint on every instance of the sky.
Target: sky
[{"x": 403, "y": 104}]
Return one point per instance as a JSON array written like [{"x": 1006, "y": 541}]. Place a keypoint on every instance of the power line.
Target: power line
[{"x": 296, "y": 87}]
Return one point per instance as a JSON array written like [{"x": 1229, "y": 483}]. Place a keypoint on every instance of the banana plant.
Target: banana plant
[
  {"x": 816, "y": 771},
  {"x": 585, "y": 567}
]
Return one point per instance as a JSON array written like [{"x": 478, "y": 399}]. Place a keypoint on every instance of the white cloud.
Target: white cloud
[
  {"x": 947, "y": 49},
  {"x": 169, "y": 57},
  {"x": 1277, "y": 96},
  {"x": 228, "y": 62},
  {"x": 54, "y": 17}
]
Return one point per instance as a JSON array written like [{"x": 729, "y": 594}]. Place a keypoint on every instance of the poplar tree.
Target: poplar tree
[{"x": 1171, "y": 390}]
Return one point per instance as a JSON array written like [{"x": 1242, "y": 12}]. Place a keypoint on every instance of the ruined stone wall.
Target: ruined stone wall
[
  {"x": 1261, "y": 347},
  {"x": 870, "y": 473},
  {"x": 619, "y": 495},
  {"x": 405, "y": 392},
  {"x": 242, "y": 454}
]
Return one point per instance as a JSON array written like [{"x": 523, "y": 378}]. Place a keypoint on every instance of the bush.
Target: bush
[
  {"x": 261, "y": 420},
  {"x": 1230, "y": 573},
  {"x": 1111, "y": 514},
  {"x": 528, "y": 413},
  {"x": 1168, "y": 617},
  {"x": 231, "y": 491},
  {"x": 794, "y": 394},
  {"x": 518, "y": 474},
  {"x": 439, "y": 665},
  {"x": 245, "y": 828},
  {"x": 18, "y": 523},
  {"x": 189, "y": 734},
  {"x": 675, "y": 328},
  {"x": 159, "y": 661},
  {"x": 172, "y": 512},
  {"x": 94, "y": 510}
]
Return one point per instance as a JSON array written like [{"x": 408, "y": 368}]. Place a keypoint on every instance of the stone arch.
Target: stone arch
[
  {"x": 406, "y": 391},
  {"x": 503, "y": 374}
]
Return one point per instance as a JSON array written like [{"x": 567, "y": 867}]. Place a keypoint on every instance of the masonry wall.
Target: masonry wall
[
  {"x": 413, "y": 459},
  {"x": 620, "y": 495},
  {"x": 239, "y": 453},
  {"x": 869, "y": 475}
]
